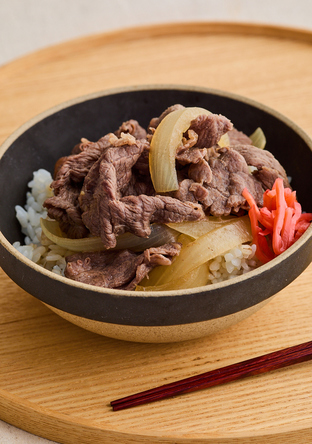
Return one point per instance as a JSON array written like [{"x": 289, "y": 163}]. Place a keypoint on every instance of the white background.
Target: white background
[{"x": 28, "y": 25}]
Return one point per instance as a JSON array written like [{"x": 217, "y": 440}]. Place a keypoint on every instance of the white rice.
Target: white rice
[
  {"x": 36, "y": 246},
  {"x": 41, "y": 250},
  {"x": 233, "y": 263}
]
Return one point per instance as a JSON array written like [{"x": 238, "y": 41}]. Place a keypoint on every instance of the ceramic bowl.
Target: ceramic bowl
[{"x": 156, "y": 316}]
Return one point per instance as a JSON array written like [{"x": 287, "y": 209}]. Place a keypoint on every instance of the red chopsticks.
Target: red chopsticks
[{"x": 251, "y": 367}]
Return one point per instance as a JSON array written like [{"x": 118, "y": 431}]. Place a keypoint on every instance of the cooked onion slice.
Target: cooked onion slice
[
  {"x": 207, "y": 247},
  {"x": 164, "y": 144},
  {"x": 198, "y": 228},
  {"x": 258, "y": 138},
  {"x": 195, "y": 278},
  {"x": 161, "y": 234}
]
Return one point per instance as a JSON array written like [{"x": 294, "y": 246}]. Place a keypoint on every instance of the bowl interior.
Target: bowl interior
[{"x": 54, "y": 136}]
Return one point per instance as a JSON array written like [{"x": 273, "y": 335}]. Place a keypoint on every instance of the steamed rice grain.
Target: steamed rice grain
[
  {"x": 233, "y": 263},
  {"x": 36, "y": 246}
]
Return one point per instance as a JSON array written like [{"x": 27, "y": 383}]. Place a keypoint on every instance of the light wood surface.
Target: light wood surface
[{"x": 56, "y": 380}]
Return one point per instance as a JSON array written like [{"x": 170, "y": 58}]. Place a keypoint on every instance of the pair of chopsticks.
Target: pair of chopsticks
[{"x": 251, "y": 367}]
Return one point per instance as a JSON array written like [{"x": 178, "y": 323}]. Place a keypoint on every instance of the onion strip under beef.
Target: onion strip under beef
[
  {"x": 198, "y": 228},
  {"x": 195, "y": 278},
  {"x": 200, "y": 251},
  {"x": 160, "y": 234}
]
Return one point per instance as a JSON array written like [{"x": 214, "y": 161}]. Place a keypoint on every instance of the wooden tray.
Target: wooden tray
[{"x": 57, "y": 380}]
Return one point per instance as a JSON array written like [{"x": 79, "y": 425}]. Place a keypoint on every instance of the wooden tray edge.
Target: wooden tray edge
[
  {"x": 63, "y": 428},
  {"x": 168, "y": 29}
]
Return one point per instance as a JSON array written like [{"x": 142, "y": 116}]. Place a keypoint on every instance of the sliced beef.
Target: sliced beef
[
  {"x": 122, "y": 269},
  {"x": 115, "y": 198},
  {"x": 210, "y": 129},
  {"x": 220, "y": 190},
  {"x": 156, "y": 120},
  {"x": 217, "y": 176},
  {"x": 66, "y": 210},
  {"x": 75, "y": 167},
  {"x": 106, "y": 182},
  {"x": 238, "y": 138},
  {"x": 70, "y": 173},
  {"x": 142, "y": 164},
  {"x": 183, "y": 193},
  {"x": 139, "y": 184},
  {"x": 131, "y": 127},
  {"x": 106, "y": 215},
  {"x": 189, "y": 155},
  {"x": 200, "y": 172},
  {"x": 136, "y": 213},
  {"x": 205, "y": 132},
  {"x": 268, "y": 167},
  {"x": 187, "y": 152},
  {"x": 81, "y": 146}
]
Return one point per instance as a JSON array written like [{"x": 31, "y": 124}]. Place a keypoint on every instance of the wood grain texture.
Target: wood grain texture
[{"x": 56, "y": 380}]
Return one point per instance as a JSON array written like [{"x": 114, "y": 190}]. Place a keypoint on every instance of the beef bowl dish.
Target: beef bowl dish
[{"x": 156, "y": 213}]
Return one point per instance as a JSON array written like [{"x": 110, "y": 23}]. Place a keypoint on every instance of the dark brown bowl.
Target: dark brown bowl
[{"x": 156, "y": 316}]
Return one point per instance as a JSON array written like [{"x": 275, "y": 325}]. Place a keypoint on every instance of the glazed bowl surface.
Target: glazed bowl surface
[{"x": 154, "y": 316}]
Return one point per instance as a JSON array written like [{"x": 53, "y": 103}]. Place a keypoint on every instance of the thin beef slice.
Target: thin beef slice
[{"x": 122, "y": 269}]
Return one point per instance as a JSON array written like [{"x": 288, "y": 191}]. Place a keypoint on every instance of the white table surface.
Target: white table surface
[{"x": 28, "y": 25}]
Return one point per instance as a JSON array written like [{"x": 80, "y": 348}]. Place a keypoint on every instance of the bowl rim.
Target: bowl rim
[{"x": 144, "y": 87}]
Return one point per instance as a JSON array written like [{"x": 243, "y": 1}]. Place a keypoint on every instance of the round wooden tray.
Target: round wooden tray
[{"x": 56, "y": 380}]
